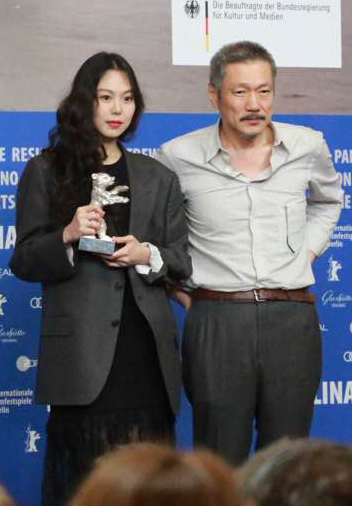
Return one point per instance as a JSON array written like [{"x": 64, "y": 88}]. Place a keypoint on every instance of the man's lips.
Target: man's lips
[{"x": 253, "y": 118}]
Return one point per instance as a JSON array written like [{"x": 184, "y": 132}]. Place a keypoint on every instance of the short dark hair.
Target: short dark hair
[{"x": 235, "y": 53}]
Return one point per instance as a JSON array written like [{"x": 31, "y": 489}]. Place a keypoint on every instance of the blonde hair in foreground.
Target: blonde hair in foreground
[
  {"x": 145, "y": 474},
  {"x": 5, "y": 499}
]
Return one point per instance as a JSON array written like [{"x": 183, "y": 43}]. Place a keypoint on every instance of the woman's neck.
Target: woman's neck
[{"x": 113, "y": 153}]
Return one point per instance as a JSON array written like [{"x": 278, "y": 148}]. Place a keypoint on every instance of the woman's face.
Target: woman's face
[{"x": 114, "y": 105}]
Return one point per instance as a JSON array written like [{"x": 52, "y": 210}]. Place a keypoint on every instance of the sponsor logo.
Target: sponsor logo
[
  {"x": 32, "y": 436},
  {"x": 36, "y": 303},
  {"x": 351, "y": 327},
  {"x": 5, "y": 272},
  {"x": 347, "y": 356},
  {"x": 24, "y": 363},
  {"x": 334, "y": 392},
  {"x": 3, "y": 299},
  {"x": 10, "y": 336},
  {"x": 192, "y": 8},
  {"x": 323, "y": 327},
  {"x": 334, "y": 267},
  {"x": 338, "y": 301}
]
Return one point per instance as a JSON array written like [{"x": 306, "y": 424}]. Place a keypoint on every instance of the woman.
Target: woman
[{"x": 108, "y": 360}]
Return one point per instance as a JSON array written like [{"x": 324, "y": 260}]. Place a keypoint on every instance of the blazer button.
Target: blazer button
[
  {"x": 115, "y": 323},
  {"x": 118, "y": 285}
]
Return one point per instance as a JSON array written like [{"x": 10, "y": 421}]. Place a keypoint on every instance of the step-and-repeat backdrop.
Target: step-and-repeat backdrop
[
  {"x": 169, "y": 44},
  {"x": 22, "y": 434}
]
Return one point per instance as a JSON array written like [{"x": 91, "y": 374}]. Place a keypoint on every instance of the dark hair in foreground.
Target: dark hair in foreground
[
  {"x": 237, "y": 52},
  {"x": 145, "y": 474},
  {"x": 299, "y": 473},
  {"x": 75, "y": 146}
]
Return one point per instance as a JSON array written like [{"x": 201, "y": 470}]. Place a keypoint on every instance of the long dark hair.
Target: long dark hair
[{"x": 75, "y": 146}]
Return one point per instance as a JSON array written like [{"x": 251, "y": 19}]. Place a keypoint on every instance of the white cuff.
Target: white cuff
[
  {"x": 155, "y": 261},
  {"x": 69, "y": 252}
]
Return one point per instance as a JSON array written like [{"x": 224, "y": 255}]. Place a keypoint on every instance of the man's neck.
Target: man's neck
[{"x": 233, "y": 141}]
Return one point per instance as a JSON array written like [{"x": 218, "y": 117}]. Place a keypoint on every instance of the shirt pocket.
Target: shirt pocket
[{"x": 295, "y": 225}]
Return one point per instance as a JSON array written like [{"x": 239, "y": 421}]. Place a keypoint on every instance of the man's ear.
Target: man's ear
[{"x": 213, "y": 95}]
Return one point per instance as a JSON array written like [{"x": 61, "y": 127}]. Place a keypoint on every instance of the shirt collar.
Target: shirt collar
[
  {"x": 281, "y": 137},
  {"x": 213, "y": 142}
]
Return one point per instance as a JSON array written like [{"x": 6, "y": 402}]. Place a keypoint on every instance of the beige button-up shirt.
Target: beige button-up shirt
[{"x": 247, "y": 234}]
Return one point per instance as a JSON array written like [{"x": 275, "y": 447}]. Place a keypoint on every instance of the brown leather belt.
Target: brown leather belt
[{"x": 256, "y": 295}]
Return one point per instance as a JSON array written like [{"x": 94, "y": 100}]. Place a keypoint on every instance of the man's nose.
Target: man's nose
[{"x": 252, "y": 102}]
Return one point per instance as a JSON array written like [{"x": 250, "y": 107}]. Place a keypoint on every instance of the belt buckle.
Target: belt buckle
[{"x": 257, "y": 297}]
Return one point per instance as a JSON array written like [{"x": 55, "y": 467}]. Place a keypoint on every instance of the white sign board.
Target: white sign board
[{"x": 304, "y": 33}]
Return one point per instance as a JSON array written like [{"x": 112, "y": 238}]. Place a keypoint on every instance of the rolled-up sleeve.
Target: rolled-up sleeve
[{"x": 324, "y": 201}]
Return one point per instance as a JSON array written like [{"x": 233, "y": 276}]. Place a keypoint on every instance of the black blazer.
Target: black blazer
[{"x": 82, "y": 302}]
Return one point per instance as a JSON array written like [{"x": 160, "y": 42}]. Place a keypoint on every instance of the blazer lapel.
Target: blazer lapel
[{"x": 143, "y": 193}]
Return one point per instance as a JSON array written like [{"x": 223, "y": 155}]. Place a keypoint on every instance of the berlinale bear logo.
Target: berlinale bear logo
[
  {"x": 3, "y": 299},
  {"x": 31, "y": 439},
  {"x": 334, "y": 267}
]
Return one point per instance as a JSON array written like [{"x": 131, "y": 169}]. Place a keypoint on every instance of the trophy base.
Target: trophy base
[{"x": 94, "y": 245}]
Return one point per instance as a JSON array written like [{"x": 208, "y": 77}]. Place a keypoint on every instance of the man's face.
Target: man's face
[{"x": 245, "y": 98}]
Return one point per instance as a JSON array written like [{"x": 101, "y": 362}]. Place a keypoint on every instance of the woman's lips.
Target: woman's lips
[{"x": 114, "y": 124}]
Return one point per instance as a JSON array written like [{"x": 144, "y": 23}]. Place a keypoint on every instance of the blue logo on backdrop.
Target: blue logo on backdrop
[
  {"x": 23, "y": 363},
  {"x": 347, "y": 356},
  {"x": 5, "y": 272},
  {"x": 334, "y": 267},
  {"x": 36, "y": 303},
  {"x": 3, "y": 299},
  {"x": 32, "y": 436},
  {"x": 336, "y": 301}
]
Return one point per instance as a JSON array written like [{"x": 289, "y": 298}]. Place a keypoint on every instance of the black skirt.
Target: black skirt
[{"x": 133, "y": 406}]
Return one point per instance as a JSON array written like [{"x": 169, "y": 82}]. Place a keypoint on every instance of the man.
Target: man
[{"x": 252, "y": 348}]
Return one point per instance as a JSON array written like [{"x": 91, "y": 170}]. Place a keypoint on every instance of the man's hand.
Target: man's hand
[
  {"x": 180, "y": 296},
  {"x": 312, "y": 256},
  {"x": 86, "y": 221},
  {"x": 132, "y": 253}
]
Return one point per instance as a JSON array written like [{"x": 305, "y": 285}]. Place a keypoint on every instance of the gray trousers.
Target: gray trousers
[{"x": 246, "y": 362}]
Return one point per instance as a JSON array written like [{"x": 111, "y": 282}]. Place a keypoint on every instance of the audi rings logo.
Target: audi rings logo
[
  {"x": 347, "y": 356},
  {"x": 36, "y": 303}
]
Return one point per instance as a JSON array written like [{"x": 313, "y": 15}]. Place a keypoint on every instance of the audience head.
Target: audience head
[
  {"x": 5, "y": 499},
  {"x": 150, "y": 475},
  {"x": 299, "y": 473}
]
